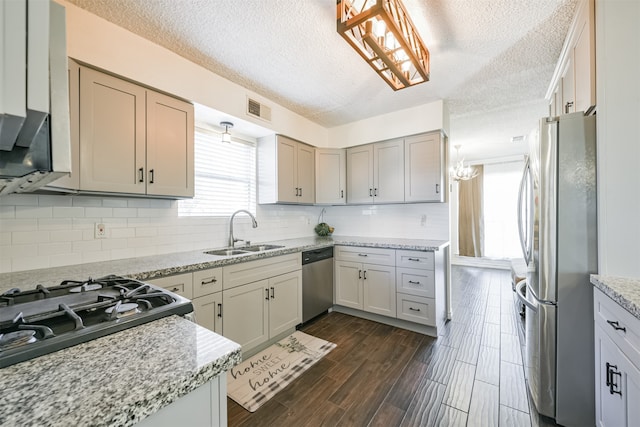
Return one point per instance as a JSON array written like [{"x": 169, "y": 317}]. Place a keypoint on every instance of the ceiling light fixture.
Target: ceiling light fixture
[
  {"x": 462, "y": 172},
  {"x": 384, "y": 35},
  {"x": 226, "y": 136}
]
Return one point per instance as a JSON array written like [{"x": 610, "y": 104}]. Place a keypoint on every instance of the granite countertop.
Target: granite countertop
[
  {"x": 150, "y": 267},
  {"x": 118, "y": 379},
  {"x": 624, "y": 291}
]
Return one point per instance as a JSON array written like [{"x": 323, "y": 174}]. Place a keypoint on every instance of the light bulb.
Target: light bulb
[{"x": 380, "y": 28}]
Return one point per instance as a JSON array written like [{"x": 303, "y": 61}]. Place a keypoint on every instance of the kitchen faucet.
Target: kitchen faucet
[{"x": 232, "y": 240}]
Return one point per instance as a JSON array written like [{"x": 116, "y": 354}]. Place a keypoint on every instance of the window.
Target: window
[
  {"x": 501, "y": 184},
  {"x": 225, "y": 176}
]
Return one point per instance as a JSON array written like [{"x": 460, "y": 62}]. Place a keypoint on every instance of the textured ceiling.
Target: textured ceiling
[{"x": 487, "y": 56}]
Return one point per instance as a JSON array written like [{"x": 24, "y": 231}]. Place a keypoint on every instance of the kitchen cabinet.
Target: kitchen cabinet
[
  {"x": 331, "y": 176},
  {"x": 573, "y": 86},
  {"x": 375, "y": 173},
  {"x": 207, "y": 299},
  {"x": 424, "y": 166},
  {"x": 181, "y": 284},
  {"x": 617, "y": 363},
  {"x": 256, "y": 312},
  {"x": 128, "y": 139},
  {"x": 286, "y": 171},
  {"x": 366, "y": 286},
  {"x": 418, "y": 294},
  {"x": 261, "y": 299}
]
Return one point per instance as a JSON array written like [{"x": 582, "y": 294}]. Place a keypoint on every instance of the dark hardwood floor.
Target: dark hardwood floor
[{"x": 378, "y": 375}]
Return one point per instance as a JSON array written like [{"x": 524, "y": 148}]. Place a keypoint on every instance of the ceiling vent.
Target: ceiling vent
[{"x": 257, "y": 110}]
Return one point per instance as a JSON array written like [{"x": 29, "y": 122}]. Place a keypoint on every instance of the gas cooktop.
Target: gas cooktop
[{"x": 47, "y": 319}]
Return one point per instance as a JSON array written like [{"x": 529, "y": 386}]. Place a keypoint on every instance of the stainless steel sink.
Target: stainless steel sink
[
  {"x": 243, "y": 250},
  {"x": 226, "y": 252},
  {"x": 260, "y": 248}
]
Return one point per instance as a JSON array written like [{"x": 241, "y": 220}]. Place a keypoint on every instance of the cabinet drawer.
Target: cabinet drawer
[
  {"x": 206, "y": 282},
  {"x": 415, "y": 259},
  {"x": 416, "y": 309},
  {"x": 612, "y": 318},
  {"x": 248, "y": 272},
  {"x": 181, "y": 284},
  {"x": 415, "y": 282},
  {"x": 366, "y": 255}
]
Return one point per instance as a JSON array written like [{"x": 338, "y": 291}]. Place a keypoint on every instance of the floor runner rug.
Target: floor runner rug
[{"x": 256, "y": 380}]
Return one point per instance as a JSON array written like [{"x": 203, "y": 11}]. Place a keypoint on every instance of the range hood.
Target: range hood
[{"x": 35, "y": 144}]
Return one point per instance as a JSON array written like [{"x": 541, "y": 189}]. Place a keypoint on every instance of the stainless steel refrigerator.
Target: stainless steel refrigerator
[{"x": 557, "y": 219}]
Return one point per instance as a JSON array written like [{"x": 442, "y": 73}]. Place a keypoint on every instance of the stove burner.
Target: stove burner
[
  {"x": 86, "y": 287},
  {"x": 16, "y": 339},
  {"x": 121, "y": 310}
]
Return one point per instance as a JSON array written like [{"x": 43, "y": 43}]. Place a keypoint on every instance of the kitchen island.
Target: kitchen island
[{"x": 119, "y": 379}]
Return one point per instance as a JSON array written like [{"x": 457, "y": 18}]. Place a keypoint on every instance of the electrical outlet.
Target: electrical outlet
[
  {"x": 423, "y": 220},
  {"x": 100, "y": 231}
]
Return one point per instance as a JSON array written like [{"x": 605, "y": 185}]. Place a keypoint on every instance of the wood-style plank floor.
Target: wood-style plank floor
[{"x": 378, "y": 375}]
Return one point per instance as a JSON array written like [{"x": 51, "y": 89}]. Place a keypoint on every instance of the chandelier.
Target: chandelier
[
  {"x": 462, "y": 172},
  {"x": 383, "y": 34}
]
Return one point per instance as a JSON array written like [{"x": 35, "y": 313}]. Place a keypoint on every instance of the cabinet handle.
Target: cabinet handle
[
  {"x": 414, "y": 309},
  {"x": 359, "y": 274},
  {"x": 364, "y": 274},
  {"x": 371, "y": 192},
  {"x": 273, "y": 293},
  {"x": 437, "y": 188},
  {"x": 375, "y": 192},
  {"x": 267, "y": 292},
  {"x": 151, "y": 176},
  {"x": 611, "y": 383},
  {"x": 567, "y": 106},
  {"x": 297, "y": 192},
  {"x": 363, "y": 255},
  {"x": 141, "y": 175},
  {"x": 220, "y": 310},
  {"x": 176, "y": 289},
  {"x": 414, "y": 259},
  {"x": 414, "y": 283},
  {"x": 208, "y": 282},
  {"x": 615, "y": 325},
  {"x": 300, "y": 191},
  {"x": 342, "y": 194}
]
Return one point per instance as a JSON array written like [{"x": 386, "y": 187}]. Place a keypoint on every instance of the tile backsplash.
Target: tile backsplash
[{"x": 40, "y": 231}]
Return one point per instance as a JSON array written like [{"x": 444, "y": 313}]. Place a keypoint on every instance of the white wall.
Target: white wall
[{"x": 618, "y": 122}]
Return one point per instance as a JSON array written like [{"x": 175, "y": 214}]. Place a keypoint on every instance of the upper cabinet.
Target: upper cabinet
[
  {"x": 375, "y": 173},
  {"x": 128, "y": 139},
  {"x": 286, "y": 171},
  {"x": 331, "y": 176},
  {"x": 573, "y": 86},
  {"x": 424, "y": 160}
]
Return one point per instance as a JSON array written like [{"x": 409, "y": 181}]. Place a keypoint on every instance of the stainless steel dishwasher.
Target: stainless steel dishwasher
[{"x": 317, "y": 282}]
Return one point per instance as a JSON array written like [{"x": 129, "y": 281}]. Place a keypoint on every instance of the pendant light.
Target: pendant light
[{"x": 226, "y": 136}]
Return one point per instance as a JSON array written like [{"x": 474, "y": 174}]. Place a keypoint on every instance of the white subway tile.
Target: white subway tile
[
  {"x": 138, "y": 203},
  {"x": 34, "y": 212},
  {"x": 89, "y": 234},
  {"x": 65, "y": 235},
  {"x": 65, "y": 259},
  {"x": 98, "y": 212},
  {"x": 87, "y": 246},
  {"x": 25, "y": 237},
  {"x": 96, "y": 256},
  {"x": 46, "y": 200},
  {"x": 54, "y": 224},
  {"x": 84, "y": 223},
  {"x": 54, "y": 248},
  {"x": 123, "y": 253},
  {"x": 146, "y": 251},
  {"x": 139, "y": 242},
  {"x": 7, "y": 211},
  {"x": 119, "y": 233},
  {"x": 109, "y": 244},
  {"x": 5, "y": 265},
  {"x": 20, "y": 199},
  {"x": 29, "y": 263},
  {"x": 5, "y": 238},
  {"x": 125, "y": 212},
  {"x": 22, "y": 251},
  {"x": 114, "y": 203},
  {"x": 68, "y": 212},
  {"x": 135, "y": 222},
  {"x": 146, "y": 231},
  {"x": 87, "y": 202}
]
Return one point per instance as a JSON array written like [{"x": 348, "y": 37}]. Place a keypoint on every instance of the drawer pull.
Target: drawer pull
[
  {"x": 267, "y": 292},
  {"x": 364, "y": 275},
  {"x": 611, "y": 383},
  {"x": 220, "y": 311},
  {"x": 414, "y": 309},
  {"x": 359, "y": 274},
  {"x": 176, "y": 289},
  {"x": 363, "y": 255},
  {"x": 273, "y": 292},
  {"x": 414, "y": 259},
  {"x": 615, "y": 325},
  {"x": 414, "y": 283},
  {"x": 208, "y": 282}
]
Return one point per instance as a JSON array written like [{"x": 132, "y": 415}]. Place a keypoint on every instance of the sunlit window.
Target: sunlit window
[{"x": 225, "y": 176}]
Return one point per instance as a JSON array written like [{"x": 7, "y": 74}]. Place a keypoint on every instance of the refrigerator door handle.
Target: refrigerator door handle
[
  {"x": 523, "y": 299},
  {"x": 523, "y": 241}
]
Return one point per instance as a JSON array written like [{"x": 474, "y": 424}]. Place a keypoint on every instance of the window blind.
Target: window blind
[{"x": 225, "y": 176}]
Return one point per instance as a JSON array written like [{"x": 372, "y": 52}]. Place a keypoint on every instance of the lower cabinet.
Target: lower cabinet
[
  {"x": 617, "y": 360},
  {"x": 258, "y": 311},
  {"x": 367, "y": 287},
  {"x": 208, "y": 311}
]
